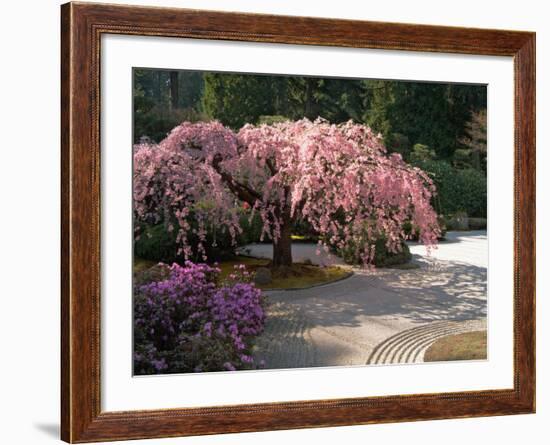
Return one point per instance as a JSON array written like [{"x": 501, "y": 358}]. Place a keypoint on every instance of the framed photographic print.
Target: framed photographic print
[{"x": 275, "y": 222}]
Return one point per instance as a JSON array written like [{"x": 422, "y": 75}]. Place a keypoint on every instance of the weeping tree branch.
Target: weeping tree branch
[
  {"x": 242, "y": 191},
  {"x": 271, "y": 167}
]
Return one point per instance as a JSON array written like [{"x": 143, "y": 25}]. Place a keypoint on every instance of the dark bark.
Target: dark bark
[
  {"x": 174, "y": 89},
  {"x": 158, "y": 88},
  {"x": 282, "y": 247},
  {"x": 476, "y": 158},
  {"x": 309, "y": 102},
  {"x": 241, "y": 191}
]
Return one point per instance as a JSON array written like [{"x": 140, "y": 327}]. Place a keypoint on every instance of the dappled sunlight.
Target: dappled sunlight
[
  {"x": 444, "y": 291},
  {"x": 342, "y": 323}
]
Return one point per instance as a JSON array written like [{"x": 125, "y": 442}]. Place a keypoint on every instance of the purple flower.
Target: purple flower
[
  {"x": 159, "y": 364},
  {"x": 228, "y": 366},
  {"x": 188, "y": 308}
]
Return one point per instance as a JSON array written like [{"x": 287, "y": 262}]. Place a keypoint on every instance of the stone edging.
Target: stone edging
[{"x": 345, "y": 277}]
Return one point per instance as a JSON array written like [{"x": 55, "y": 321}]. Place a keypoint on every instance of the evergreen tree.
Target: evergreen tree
[
  {"x": 432, "y": 114},
  {"x": 237, "y": 99}
]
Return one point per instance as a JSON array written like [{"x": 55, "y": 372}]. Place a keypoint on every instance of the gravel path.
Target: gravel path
[
  {"x": 410, "y": 346},
  {"x": 386, "y": 316}
]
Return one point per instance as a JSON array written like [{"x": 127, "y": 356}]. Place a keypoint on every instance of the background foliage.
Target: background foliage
[
  {"x": 444, "y": 117},
  {"x": 439, "y": 127}
]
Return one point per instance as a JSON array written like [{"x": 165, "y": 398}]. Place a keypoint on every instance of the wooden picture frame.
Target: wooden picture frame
[{"x": 82, "y": 26}]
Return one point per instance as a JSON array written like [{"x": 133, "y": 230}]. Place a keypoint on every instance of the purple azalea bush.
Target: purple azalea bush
[{"x": 190, "y": 321}]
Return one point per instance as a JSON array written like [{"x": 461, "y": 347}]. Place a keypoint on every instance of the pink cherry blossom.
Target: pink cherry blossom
[{"x": 338, "y": 178}]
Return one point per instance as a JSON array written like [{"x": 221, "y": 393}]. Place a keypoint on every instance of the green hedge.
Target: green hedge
[
  {"x": 157, "y": 244},
  {"x": 155, "y": 122},
  {"x": 458, "y": 190}
]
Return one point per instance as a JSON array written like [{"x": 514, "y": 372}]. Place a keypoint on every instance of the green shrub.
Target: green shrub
[
  {"x": 473, "y": 185},
  {"x": 462, "y": 158},
  {"x": 156, "y": 243},
  {"x": 477, "y": 223},
  {"x": 252, "y": 229},
  {"x": 458, "y": 221},
  {"x": 421, "y": 152},
  {"x": 271, "y": 119},
  {"x": 155, "y": 122},
  {"x": 413, "y": 234},
  {"x": 457, "y": 190},
  {"x": 382, "y": 256}
]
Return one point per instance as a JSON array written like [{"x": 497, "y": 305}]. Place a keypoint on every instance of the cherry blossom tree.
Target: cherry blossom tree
[{"x": 338, "y": 178}]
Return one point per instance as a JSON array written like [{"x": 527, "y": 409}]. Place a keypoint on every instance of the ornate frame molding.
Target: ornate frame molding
[{"x": 82, "y": 25}]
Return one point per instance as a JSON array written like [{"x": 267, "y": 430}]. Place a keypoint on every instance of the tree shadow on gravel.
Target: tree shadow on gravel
[{"x": 441, "y": 290}]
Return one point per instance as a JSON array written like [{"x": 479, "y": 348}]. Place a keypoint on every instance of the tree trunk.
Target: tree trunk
[
  {"x": 158, "y": 87},
  {"x": 174, "y": 89},
  {"x": 282, "y": 248},
  {"x": 476, "y": 158},
  {"x": 309, "y": 105}
]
